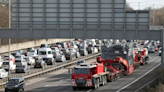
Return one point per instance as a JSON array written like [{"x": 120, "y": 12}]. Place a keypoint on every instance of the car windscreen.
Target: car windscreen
[
  {"x": 42, "y": 52},
  {"x": 43, "y": 45},
  {"x": 26, "y": 59},
  {"x": 81, "y": 71},
  {"x": 6, "y": 56},
  {"x": 5, "y": 63},
  {"x": 151, "y": 48},
  {"x": 32, "y": 51},
  {"x": 17, "y": 60},
  {"x": 13, "y": 81},
  {"x": 17, "y": 56}
]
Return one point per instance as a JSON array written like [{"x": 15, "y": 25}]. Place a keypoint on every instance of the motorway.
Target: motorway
[{"x": 60, "y": 81}]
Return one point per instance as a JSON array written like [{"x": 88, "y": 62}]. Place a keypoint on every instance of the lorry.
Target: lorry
[
  {"x": 89, "y": 75},
  {"x": 116, "y": 61}
]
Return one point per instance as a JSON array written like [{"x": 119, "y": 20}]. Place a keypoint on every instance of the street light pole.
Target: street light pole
[
  {"x": 9, "y": 41},
  {"x": 153, "y": 14}
]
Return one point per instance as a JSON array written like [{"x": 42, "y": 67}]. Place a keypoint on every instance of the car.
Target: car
[
  {"x": 83, "y": 52},
  {"x": 52, "y": 45},
  {"x": 90, "y": 50},
  {"x": 63, "y": 44},
  {"x": 19, "y": 57},
  {"x": 1, "y": 62},
  {"x": 98, "y": 47},
  {"x": 6, "y": 57},
  {"x": 49, "y": 61},
  {"x": 15, "y": 84},
  {"x": 95, "y": 50},
  {"x": 58, "y": 46},
  {"x": 22, "y": 69},
  {"x": 19, "y": 51},
  {"x": 31, "y": 48},
  {"x": 20, "y": 62},
  {"x": 40, "y": 64},
  {"x": 5, "y": 65},
  {"x": 151, "y": 50},
  {"x": 61, "y": 58},
  {"x": 3, "y": 73},
  {"x": 31, "y": 54},
  {"x": 129, "y": 40},
  {"x": 160, "y": 52},
  {"x": 25, "y": 53},
  {"x": 65, "y": 50},
  {"x": 30, "y": 60},
  {"x": 55, "y": 53},
  {"x": 44, "y": 46},
  {"x": 15, "y": 53},
  {"x": 37, "y": 58},
  {"x": 33, "y": 51},
  {"x": 79, "y": 62},
  {"x": 55, "y": 48},
  {"x": 98, "y": 41},
  {"x": 70, "y": 57}
]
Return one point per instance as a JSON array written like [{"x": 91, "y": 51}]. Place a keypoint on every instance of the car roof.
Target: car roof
[{"x": 20, "y": 79}]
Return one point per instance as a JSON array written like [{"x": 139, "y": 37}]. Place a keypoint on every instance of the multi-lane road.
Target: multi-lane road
[{"x": 60, "y": 81}]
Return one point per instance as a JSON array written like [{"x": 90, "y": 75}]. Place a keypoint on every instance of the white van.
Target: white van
[
  {"x": 45, "y": 53},
  {"x": 5, "y": 65}
]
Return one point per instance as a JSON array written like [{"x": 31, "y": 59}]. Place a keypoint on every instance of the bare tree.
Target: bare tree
[{"x": 128, "y": 7}]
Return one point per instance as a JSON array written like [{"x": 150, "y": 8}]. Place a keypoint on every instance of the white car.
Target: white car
[
  {"x": 1, "y": 62},
  {"x": 31, "y": 54},
  {"x": 5, "y": 65},
  {"x": 95, "y": 50},
  {"x": 34, "y": 51},
  {"x": 55, "y": 48},
  {"x": 6, "y": 57},
  {"x": 3, "y": 73},
  {"x": 19, "y": 57},
  {"x": 30, "y": 60},
  {"x": 60, "y": 58}
]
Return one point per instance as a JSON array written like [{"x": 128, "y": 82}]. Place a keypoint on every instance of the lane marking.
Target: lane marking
[
  {"x": 46, "y": 85},
  {"x": 89, "y": 90},
  {"x": 138, "y": 78}
]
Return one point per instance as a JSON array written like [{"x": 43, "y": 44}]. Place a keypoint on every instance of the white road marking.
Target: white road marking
[
  {"x": 138, "y": 78},
  {"x": 89, "y": 90},
  {"x": 46, "y": 85}
]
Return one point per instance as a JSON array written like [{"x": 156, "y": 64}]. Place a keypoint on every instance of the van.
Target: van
[{"x": 45, "y": 53}]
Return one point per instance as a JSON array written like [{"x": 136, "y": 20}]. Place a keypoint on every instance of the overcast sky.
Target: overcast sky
[{"x": 145, "y": 3}]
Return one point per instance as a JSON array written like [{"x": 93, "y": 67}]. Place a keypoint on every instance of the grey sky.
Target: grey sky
[{"x": 145, "y": 3}]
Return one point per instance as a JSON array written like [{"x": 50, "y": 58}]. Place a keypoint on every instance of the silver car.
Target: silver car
[{"x": 61, "y": 58}]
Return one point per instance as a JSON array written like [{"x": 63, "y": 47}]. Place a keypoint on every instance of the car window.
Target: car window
[
  {"x": 42, "y": 52},
  {"x": 49, "y": 52},
  {"x": 17, "y": 60},
  {"x": 13, "y": 81},
  {"x": 5, "y": 63}
]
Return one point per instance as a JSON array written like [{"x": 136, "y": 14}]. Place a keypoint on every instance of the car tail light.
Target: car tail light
[
  {"x": 51, "y": 61},
  {"x": 23, "y": 68},
  {"x": 35, "y": 64},
  {"x": 40, "y": 63}
]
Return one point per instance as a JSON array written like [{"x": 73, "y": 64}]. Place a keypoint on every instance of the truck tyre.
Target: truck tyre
[
  {"x": 103, "y": 81},
  {"x": 95, "y": 84},
  {"x": 74, "y": 88},
  {"x": 98, "y": 83},
  {"x": 111, "y": 79}
]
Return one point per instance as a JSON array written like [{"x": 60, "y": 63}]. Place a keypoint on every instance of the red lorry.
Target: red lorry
[{"x": 115, "y": 62}]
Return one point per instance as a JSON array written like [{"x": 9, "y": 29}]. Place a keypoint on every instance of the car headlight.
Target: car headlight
[{"x": 16, "y": 86}]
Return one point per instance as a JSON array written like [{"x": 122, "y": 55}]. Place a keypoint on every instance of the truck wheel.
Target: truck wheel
[
  {"x": 98, "y": 83},
  {"x": 74, "y": 88},
  {"x": 103, "y": 81},
  {"x": 95, "y": 85}
]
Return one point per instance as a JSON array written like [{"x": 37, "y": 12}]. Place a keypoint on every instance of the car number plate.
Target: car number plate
[
  {"x": 10, "y": 87},
  {"x": 48, "y": 61},
  {"x": 19, "y": 70},
  {"x": 37, "y": 65}
]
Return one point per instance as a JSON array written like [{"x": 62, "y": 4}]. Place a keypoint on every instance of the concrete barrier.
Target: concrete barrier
[{"x": 24, "y": 45}]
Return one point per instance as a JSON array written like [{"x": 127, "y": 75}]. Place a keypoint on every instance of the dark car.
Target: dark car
[
  {"x": 73, "y": 56},
  {"x": 15, "y": 85},
  {"x": 40, "y": 64},
  {"x": 90, "y": 50},
  {"x": 25, "y": 53},
  {"x": 44, "y": 46},
  {"x": 31, "y": 48},
  {"x": 15, "y": 53},
  {"x": 22, "y": 69},
  {"x": 49, "y": 61}
]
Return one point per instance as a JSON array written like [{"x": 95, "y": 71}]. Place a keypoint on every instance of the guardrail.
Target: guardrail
[{"x": 41, "y": 72}]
